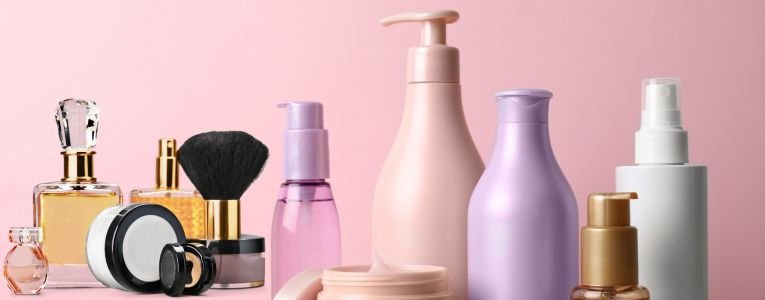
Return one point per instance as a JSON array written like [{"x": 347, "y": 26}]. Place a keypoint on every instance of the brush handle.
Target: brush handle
[{"x": 222, "y": 219}]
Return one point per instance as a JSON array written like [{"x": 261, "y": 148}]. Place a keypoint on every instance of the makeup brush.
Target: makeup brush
[{"x": 222, "y": 165}]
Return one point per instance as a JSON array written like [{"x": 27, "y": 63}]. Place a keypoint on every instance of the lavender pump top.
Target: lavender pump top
[{"x": 522, "y": 220}]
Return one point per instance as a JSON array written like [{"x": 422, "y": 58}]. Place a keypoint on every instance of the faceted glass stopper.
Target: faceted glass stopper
[{"x": 77, "y": 122}]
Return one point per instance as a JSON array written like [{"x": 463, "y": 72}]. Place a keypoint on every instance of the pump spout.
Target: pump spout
[
  {"x": 432, "y": 61},
  {"x": 433, "y": 24}
]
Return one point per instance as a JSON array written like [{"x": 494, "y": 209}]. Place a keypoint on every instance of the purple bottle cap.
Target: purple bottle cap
[
  {"x": 523, "y": 105},
  {"x": 306, "y": 150}
]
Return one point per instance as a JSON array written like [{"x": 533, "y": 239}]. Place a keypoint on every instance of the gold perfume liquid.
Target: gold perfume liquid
[
  {"x": 65, "y": 219},
  {"x": 188, "y": 207},
  {"x": 610, "y": 293},
  {"x": 64, "y": 212}
]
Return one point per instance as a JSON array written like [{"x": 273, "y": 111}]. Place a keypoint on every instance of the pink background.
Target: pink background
[{"x": 176, "y": 68}]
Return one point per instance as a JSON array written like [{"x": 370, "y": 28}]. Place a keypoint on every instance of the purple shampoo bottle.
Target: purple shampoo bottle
[
  {"x": 523, "y": 219},
  {"x": 306, "y": 231}
]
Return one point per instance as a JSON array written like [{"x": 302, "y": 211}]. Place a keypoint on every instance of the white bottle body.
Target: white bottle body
[{"x": 671, "y": 217}]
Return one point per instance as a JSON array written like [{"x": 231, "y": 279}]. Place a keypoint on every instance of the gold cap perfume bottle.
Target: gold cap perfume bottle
[
  {"x": 609, "y": 250},
  {"x": 64, "y": 209},
  {"x": 187, "y": 205}
]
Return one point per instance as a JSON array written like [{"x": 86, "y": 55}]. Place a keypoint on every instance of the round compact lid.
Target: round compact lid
[
  {"x": 134, "y": 242},
  {"x": 244, "y": 245},
  {"x": 186, "y": 269}
]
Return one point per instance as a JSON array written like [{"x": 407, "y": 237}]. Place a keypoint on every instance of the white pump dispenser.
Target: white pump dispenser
[{"x": 672, "y": 212}]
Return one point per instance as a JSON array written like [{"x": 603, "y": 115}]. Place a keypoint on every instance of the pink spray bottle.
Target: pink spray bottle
[{"x": 305, "y": 232}]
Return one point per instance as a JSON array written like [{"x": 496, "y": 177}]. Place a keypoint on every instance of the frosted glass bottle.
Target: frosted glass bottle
[{"x": 523, "y": 218}]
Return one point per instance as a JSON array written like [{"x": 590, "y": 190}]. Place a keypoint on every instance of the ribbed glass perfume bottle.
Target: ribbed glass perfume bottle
[
  {"x": 64, "y": 209},
  {"x": 187, "y": 205}
]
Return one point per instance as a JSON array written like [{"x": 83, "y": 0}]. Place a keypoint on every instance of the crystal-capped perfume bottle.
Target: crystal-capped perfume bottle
[
  {"x": 187, "y": 205},
  {"x": 26, "y": 267},
  {"x": 64, "y": 209}
]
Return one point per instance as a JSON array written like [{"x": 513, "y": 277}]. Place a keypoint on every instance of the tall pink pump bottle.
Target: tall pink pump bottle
[
  {"x": 305, "y": 233},
  {"x": 420, "y": 205},
  {"x": 523, "y": 219}
]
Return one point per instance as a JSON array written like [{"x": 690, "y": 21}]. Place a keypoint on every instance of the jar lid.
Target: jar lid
[
  {"x": 25, "y": 235},
  {"x": 246, "y": 244},
  {"x": 124, "y": 245},
  {"x": 186, "y": 269}
]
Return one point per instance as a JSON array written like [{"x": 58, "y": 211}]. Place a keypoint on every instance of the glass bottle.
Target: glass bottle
[
  {"x": 64, "y": 209},
  {"x": 609, "y": 251},
  {"x": 187, "y": 205},
  {"x": 306, "y": 230},
  {"x": 26, "y": 267}
]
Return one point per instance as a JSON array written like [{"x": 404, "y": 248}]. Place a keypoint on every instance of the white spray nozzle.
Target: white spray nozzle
[
  {"x": 433, "y": 23},
  {"x": 661, "y": 103},
  {"x": 661, "y": 138}
]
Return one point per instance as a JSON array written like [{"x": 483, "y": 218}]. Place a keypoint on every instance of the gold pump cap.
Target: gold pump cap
[
  {"x": 167, "y": 165},
  {"x": 609, "y": 243}
]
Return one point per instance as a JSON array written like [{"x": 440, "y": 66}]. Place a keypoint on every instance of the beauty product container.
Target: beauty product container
[
  {"x": 377, "y": 282},
  {"x": 186, "y": 269},
  {"x": 240, "y": 263},
  {"x": 523, "y": 218},
  {"x": 609, "y": 251},
  {"x": 419, "y": 213},
  {"x": 306, "y": 230},
  {"x": 25, "y": 267},
  {"x": 64, "y": 209},
  {"x": 125, "y": 245},
  {"x": 187, "y": 205},
  {"x": 672, "y": 211}
]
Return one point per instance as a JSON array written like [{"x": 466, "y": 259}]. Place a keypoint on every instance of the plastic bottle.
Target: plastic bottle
[
  {"x": 306, "y": 229},
  {"x": 523, "y": 218},
  {"x": 672, "y": 212},
  {"x": 420, "y": 205}
]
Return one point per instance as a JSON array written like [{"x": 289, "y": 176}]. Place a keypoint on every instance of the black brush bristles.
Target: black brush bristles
[{"x": 222, "y": 164}]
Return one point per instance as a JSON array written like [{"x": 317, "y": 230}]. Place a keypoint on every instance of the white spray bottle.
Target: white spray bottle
[{"x": 671, "y": 215}]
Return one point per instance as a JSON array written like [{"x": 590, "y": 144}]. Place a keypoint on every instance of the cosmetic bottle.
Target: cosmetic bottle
[
  {"x": 64, "y": 209},
  {"x": 26, "y": 267},
  {"x": 523, "y": 219},
  {"x": 672, "y": 211},
  {"x": 609, "y": 251},
  {"x": 306, "y": 229},
  {"x": 419, "y": 213},
  {"x": 187, "y": 205}
]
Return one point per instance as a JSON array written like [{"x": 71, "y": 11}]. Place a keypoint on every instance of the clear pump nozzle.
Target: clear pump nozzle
[
  {"x": 661, "y": 138},
  {"x": 661, "y": 103}
]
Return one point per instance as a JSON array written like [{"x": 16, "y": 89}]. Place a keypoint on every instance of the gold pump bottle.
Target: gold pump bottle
[
  {"x": 187, "y": 205},
  {"x": 65, "y": 209},
  {"x": 609, "y": 251}
]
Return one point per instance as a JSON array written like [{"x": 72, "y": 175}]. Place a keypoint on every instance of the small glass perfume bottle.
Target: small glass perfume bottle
[
  {"x": 609, "y": 251},
  {"x": 26, "y": 267},
  {"x": 64, "y": 209},
  {"x": 187, "y": 205}
]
